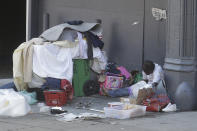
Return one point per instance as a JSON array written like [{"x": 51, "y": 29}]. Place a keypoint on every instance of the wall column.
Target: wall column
[
  {"x": 180, "y": 60},
  {"x": 28, "y": 19}
]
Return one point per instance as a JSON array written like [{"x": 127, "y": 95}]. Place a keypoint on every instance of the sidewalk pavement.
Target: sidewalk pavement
[{"x": 37, "y": 121}]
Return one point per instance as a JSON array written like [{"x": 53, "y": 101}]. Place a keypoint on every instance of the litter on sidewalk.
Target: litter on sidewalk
[
  {"x": 82, "y": 116},
  {"x": 59, "y": 66},
  {"x": 13, "y": 104},
  {"x": 125, "y": 111}
]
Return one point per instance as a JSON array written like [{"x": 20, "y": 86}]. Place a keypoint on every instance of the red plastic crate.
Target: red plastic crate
[
  {"x": 67, "y": 87},
  {"x": 55, "y": 97}
]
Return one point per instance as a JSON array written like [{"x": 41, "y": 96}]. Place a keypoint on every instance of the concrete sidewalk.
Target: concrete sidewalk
[
  {"x": 36, "y": 121},
  {"x": 184, "y": 121}
]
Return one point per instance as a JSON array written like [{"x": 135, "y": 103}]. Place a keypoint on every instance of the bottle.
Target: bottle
[{"x": 132, "y": 99}]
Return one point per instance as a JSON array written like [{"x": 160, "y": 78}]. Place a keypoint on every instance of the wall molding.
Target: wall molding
[{"x": 180, "y": 65}]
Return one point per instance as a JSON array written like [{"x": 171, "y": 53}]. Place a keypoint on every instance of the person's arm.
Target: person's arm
[
  {"x": 144, "y": 77},
  {"x": 157, "y": 76},
  {"x": 154, "y": 84}
]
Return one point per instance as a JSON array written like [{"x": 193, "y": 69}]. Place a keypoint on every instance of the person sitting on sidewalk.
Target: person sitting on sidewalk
[{"x": 152, "y": 74}]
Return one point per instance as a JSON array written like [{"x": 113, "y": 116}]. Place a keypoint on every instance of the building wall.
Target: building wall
[
  {"x": 155, "y": 32},
  {"x": 130, "y": 33}
]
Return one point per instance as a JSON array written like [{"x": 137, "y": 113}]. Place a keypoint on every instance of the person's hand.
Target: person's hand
[
  {"x": 102, "y": 72},
  {"x": 154, "y": 84},
  {"x": 146, "y": 81}
]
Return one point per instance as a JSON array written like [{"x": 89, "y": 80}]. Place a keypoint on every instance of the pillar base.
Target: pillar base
[{"x": 178, "y": 71}]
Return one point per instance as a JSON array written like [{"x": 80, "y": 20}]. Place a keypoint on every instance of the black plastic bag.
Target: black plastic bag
[{"x": 91, "y": 87}]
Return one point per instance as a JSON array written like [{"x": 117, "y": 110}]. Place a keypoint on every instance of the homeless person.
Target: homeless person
[{"x": 153, "y": 77}]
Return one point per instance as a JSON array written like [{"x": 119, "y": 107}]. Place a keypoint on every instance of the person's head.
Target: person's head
[{"x": 148, "y": 67}]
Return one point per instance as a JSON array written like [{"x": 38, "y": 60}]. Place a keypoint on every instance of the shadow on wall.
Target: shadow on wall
[
  {"x": 185, "y": 97},
  {"x": 115, "y": 47}
]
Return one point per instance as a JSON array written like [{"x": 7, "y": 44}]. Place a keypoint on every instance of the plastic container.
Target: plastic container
[
  {"x": 125, "y": 114},
  {"x": 55, "y": 97},
  {"x": 117, "y": 105}
]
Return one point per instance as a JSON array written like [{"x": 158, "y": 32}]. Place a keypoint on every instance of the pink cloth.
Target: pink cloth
[{"x": 124, "y": 72}]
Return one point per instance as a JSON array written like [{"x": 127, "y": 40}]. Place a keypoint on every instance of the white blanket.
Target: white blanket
[{"x": 53, "y": 61}]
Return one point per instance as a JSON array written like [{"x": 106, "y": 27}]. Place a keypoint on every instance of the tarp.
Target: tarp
[{"x": 54, "y": 33}]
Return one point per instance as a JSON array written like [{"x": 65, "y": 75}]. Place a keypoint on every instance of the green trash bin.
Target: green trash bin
[{"x": 81, "y": 73}]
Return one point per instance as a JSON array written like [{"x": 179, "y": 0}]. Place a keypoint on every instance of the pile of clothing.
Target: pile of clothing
[
  {"x": 116, "y": 70},
  {"x": 113, "y": 78},
  {"x": 50, "y": 56}
]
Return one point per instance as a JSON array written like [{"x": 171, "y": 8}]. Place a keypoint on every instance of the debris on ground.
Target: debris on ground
[
  {"x": 82, "y": 116},
  {"x": 125, "y": 111},
  {"x": 67, "y": 117},
  {"x": 57, "y": 110},
  {"x": 43, "y": 107}
]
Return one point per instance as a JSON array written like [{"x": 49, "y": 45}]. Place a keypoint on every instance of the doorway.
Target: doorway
[{"x": 12, "y": 33}]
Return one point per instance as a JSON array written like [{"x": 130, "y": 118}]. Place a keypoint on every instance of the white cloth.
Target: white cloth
[
  {"x": 22, "y": 63},
  {"x": 23, "y": 60},
  {"x": 36, "y": 81},
  {"x": 100, "y": 61},
  {"x": 156, "y": 76},
  {"x": 52, "y": 61},
  {"x": 83, "y": 46},
  {"x": 80, "y": 52}
]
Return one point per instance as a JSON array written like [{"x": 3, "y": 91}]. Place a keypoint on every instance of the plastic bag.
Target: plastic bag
[
  {"x": 30, "y": 97},
  {"x": 13, "y": 104},
  {"x": 134, "y": 89}
]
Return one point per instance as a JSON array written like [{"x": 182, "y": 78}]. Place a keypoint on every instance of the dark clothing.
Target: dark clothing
[
  {"x": 118, "y": 92},
  {"x": 92, "y": 40},
  {"x": 112, "y": 68},
  {"x": 9, "y": 86},
  {"x": 89, "y": 43},
  {"x": 75, "y": 22},
  {"x": 95, "y": 40},
  {"x": 52, "y": 83}
]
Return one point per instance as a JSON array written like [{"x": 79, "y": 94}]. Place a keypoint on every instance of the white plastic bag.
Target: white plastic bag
[
  {"x": 136, "y": 87},
  {"x": 30, "y": 97},
  {"x": 13, "y": 104}
]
